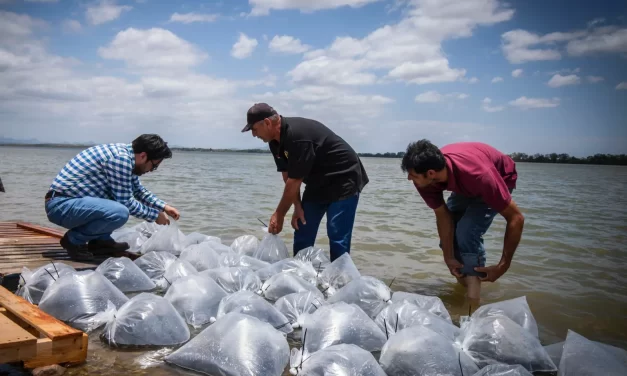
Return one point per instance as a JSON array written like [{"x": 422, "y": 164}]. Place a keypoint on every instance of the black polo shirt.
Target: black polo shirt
[{"x": 329, "y": 167}]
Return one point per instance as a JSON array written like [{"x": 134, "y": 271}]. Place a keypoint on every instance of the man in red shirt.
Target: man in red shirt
[{"x": 481, "y": 180}]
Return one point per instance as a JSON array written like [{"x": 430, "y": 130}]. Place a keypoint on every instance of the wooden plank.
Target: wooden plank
[
  {"x": 42, "y": 230},
  {"x": 68, "y": 351},
  {"x": 28, "y": 241},
  {"x": 46, "y": 324},
  {"x": 34, "y": 332},
  {"x": 13, "y": 335}
]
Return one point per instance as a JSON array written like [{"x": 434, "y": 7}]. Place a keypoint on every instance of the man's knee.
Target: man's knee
[{"x": 119, "y": 214}]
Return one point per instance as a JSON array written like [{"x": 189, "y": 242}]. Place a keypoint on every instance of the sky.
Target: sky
[{"x": 530, "y": 76}]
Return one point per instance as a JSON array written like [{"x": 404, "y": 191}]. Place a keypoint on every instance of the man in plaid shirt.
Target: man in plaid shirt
[{"x": 98, "y": 189}]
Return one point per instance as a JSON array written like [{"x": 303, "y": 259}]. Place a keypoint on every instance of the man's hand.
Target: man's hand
[
  {"x": 299, "y": 213},
  {"x": 453, "y": 266},
  {"x": 172, "y": 212},
  {"x": 493, "y": 272},
  {"x": 276, "y": 223},
  {"x": 162, "y": 219}
]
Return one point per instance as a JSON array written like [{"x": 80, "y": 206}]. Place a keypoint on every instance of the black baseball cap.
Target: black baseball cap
[{"x": 258, "y": 112}]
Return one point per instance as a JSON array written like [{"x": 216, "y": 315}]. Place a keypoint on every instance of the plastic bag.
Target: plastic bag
[
  {"x": 134, "y": 239},
  {"x": 80, "y": 299},
  {"x": 235, "y": 279},
  {"x": 271, "y": 249},
  {"x": 252, "y": 304},
  {"x": 582, "y": 357},
  {"x": 420, "y": 351},
  {"x": 400, "y": 315},
  {"x": 503, "y": 370},
  {"x": 169, "y": 239},
  {"x": 315, "y": 256},
  {"x": 337, "y": 323},
  {"x": 285, "y": 283},
  {"x": 338, "y": 274},
  {"x": 201, "y": 256},
  {"x": 146, "y": 320},
  {"x": 196, "y": 298},
  {"x": 555, "y": 351},
  {"x": 220, "y": 248},
  {"x": 337, "y": 360},
  {"x": 498, "y": 339},
  {"x": 303, "y": 269},
  {"x": 293, "y": 306},
  {"x": 236, "y": 345},
  {"x": 32, "y": 285},
  {"x": 197, "y": 238},
  {"x": 178, "y": 269},
  {"x": 154, "y": 264},
  {"x": 147, "y": 229},
  {"x": 125, "y": 275},
  {"x": 432, "y": 304},
  {"x": 231, "y": 259},
  {"x": 516, "y": 309},
  {"x": 245, "y": 245},
  {"x": 369, "y": 293}
]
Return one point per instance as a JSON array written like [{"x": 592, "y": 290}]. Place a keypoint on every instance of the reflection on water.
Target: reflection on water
[{"x": 570, "y": 262}]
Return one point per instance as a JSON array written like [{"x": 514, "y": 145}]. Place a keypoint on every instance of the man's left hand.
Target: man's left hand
[
  {"x": 172, "y": 212},
  {"x": 493, "y": 272},
  {"x": 276, "y": 223}
]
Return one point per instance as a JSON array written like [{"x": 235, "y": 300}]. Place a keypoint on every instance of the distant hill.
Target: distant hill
[{"x": 16, "y": 141}]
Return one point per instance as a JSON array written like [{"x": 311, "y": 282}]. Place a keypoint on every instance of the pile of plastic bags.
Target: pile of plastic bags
[{"x": 230, "y": 309}]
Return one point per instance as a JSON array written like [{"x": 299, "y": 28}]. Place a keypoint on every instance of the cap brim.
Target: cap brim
[{"x": 247, "y": 128}]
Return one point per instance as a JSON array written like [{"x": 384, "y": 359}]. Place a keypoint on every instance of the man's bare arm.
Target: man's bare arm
[
  {"x": 444, "y": 221},
  {"x": 513, "y": 231},
  {"x": 291, "y": 195}
]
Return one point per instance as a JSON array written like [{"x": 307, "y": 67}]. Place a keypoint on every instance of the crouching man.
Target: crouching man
[{"x": 98, "y": 189}]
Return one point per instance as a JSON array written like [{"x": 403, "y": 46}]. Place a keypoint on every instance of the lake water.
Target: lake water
[{"x": 569, "y": 264}]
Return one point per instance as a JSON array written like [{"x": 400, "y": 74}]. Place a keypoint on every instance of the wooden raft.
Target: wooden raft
[
  {"x": 32, "y": 246},
  {"x": 35, "y": 338}
]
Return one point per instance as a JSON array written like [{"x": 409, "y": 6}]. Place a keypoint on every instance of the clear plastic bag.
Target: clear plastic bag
[
  {"x": 582, "y": 357},
  {"x": 516, "y": 309},
  {"x": 294, "y": 306},
  {"x": 169, "y": 239},
  {"x": 337, "y": 360},
  {"x": 337, "y": 323},
  {"x": 245, "y": 245},
  {"x": 236, "y": 345},
  {"x": 146, "y": 320},
  {"x": 498, "y": 339},
  {"x": 316, "y": 256},
  {"x": 432, "y": 304},
  {"x": 338, "y": 274},
  {"x": 32, "y": 285},
  {"x": 303, "y": 269},
  {"x": 285, "y": 283},
  {"x": 252, "y": 304},
  {"x": 178, "y": 269},
  {"x": 220, "y": 248},
  {"x": 197, "y": 238},
  {"x": 271, "y": 249},
  {"x": 147, "y": 229},
  {"x": 196, "y": 298},
  {"x": 503, "y": 370},
  {"x": 81, "y": 299},
  {"x": 201, "y": 256},
  {"x": 369, "y": 293},
  {"x": 231, "y": 259},
  {"x": 235, "y": 279},
  {"x": 134, "y": 239},
  {"x": 400, "y": 315},
  {"x": 555, "y": 351},
  {"x": 419, "y": 351},
  {"x": 154, "y": 264},
  {"x": 125, "y": 275}
]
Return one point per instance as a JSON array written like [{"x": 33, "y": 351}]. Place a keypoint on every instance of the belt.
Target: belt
[{"x": 50, "y": 194}]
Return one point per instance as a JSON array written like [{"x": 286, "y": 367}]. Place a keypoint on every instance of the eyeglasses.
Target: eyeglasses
[{"x": 154, "y": 166}]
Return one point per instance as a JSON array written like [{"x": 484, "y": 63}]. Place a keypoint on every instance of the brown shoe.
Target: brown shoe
[
  {"x": 107, "y": 246},
  {"x": 77, "y": 252}
]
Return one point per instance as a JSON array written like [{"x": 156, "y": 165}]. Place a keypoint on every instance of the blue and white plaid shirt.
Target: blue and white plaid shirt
[{"x": 106, "y": 171}]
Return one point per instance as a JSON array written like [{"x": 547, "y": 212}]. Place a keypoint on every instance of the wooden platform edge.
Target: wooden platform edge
[{"x": 42, "y": 230}]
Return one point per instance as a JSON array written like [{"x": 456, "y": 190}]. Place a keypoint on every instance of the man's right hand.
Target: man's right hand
[
  {"x": 162, "y": 219},
  {"x": 454, "y": 266}
]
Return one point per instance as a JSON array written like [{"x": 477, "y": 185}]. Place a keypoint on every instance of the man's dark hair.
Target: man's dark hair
[
  {"x": 422, "y": 156},
  {"x": 153, "y": 145}
]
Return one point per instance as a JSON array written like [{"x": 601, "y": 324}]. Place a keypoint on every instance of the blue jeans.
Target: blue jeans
[
  {"x": 86, "y": 218},
  {"x": 340, "y": 220},
  {"x": 472, "y": 217}
]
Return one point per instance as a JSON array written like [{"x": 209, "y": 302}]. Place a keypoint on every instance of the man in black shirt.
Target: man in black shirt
[{"x": 306, "y": 151}]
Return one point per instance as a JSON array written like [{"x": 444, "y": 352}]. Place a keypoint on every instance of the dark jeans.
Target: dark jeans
[{"x": 340, "y": 220}]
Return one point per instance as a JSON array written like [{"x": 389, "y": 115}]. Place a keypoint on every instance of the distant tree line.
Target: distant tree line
[
  {"x": 383, "y": 155},
  {"x": 598, "y": 159}
]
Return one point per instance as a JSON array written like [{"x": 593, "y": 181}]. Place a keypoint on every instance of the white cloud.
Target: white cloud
[
  {"x": 516, "y": 47},
  {"x": 17, "y": 27},
  {"x": 72, "y": 26},
  {"x": 622, "y": 86},
  {"x": 486, "y": 106},
  {"x": 288, "y": 45},
  {"x": 595, "y": 79},
  {"x": 435, "y": 97},
  {"x": 153, "y": 48},
  {"x": 559, "y": 80},
  {"x": 244, "y": 47},
  {"x": 517, "y": 73},
  {"x": 525, "y": 103},
  {"x": 410, "y": 50},
  {"x": 192, "y": 17},
  {"x": 603, "y": 40},
  {"x": 263, "y": 7},
  {"x": 105, "y": 11},
  {"x": 473, "y": 80},
  {"x": 496, "y": 80}
]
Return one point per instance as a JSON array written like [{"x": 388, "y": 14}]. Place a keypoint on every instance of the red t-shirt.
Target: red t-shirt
[{"x": 475, "y": 170}]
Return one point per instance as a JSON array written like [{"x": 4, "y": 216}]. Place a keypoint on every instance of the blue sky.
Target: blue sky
[{"x": 529, "y": 76}]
